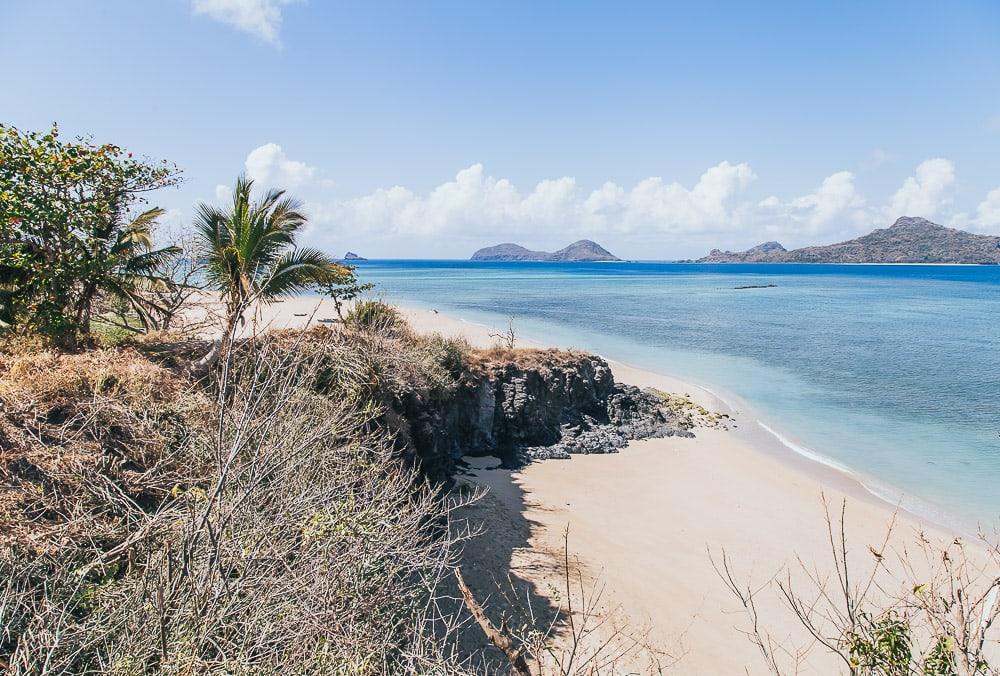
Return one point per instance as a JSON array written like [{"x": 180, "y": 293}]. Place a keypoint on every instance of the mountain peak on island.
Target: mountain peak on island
[
  {"x": 911, "y": 222},
  {"x": 909, "y": 240},
  {"x": 581, "y": 251},
  {"x": 768, "y": 247},
  {"x": 584, "y": 250}
]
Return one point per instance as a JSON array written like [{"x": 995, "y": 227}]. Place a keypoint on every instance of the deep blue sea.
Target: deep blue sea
[{"x": 891, "y": 371}]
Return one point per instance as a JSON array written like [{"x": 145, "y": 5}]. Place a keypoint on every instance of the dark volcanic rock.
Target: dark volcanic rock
[
  {"x": 560, "y": 404},
  {"x": 631, "y": 414}
]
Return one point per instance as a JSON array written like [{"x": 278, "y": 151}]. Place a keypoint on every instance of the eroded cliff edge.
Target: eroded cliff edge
[{"x": 532, "y": 405}]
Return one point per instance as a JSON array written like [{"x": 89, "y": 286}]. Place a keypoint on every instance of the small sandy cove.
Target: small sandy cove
[{"x": 641, "y": 524}]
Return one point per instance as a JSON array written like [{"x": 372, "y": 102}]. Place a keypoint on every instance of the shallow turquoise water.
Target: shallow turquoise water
[{"x": 892, "y": 371}]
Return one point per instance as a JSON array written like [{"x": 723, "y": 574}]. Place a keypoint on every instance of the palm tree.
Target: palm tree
[
  {"x": 249, "y": 255},
  {"x": 119, "y": 262},
  {"x": 129, "y": 270}
]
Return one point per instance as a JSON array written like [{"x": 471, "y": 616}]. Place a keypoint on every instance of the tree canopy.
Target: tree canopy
[{"x": 71, "y": 231}]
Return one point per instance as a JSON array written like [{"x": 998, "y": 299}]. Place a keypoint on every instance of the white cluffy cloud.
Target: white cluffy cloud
[
  {"x": 475, "y": 202},
  {"x": 270, "y": 167},
  {"x": 988, "y": 212},
  {"x": 717, "y": 209},
  {"x": 261, "y": 18},
  {"x": 835, "y": 200},
  {"x": 925, "y": 193}
]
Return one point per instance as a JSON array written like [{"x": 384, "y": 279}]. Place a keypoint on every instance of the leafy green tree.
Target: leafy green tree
[
  {"x": 345, "y": 287},
  {"x": 249, "y": 255},
  {"x": 68, "y": 234}
]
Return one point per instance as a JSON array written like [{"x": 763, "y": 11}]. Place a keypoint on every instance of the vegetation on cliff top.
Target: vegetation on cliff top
[{"x": 260, "y": 520}]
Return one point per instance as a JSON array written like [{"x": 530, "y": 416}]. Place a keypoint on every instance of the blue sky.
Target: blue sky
[{"x": 415, "y": 129}]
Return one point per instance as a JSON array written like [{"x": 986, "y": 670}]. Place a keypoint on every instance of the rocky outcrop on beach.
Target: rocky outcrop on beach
[
  {"x": 582, "y": 251},
  {"x": 631, "y": 414},
  {"x": 536, "y": 405},
  {"x": 908, "y": 240}
]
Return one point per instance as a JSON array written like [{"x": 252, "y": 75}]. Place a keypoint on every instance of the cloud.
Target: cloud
[
  {"x": 670, "y": 207},
  {"x": 988, "y": 211},
  {"x": 925, "y": 193},
  {"x": 718, "y": 209},
  {"x": 223, "y": 195},
  {"x": 477, "y": 203},
  {"x": 835, "y": 201},
  {"x": 270, "y": 167},
  {"x": 260, "y": 18}
]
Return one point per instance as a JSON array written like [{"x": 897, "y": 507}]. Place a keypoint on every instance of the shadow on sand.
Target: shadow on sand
[{"x": 502, "y": 569}]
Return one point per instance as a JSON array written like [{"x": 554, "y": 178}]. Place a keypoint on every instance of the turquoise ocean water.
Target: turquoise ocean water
[{"x": 890, "y": 371}]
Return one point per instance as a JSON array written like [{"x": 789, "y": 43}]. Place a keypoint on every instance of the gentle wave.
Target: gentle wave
[{"x": 808, "y": 452}]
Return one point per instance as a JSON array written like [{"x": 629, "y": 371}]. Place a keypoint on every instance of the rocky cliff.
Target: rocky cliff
[{"x": 547, "y": 404}]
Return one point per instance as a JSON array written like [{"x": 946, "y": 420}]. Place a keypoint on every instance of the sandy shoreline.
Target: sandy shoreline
[{"x": 643, "y": 521}]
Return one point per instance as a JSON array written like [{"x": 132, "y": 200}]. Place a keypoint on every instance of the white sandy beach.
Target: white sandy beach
[{"x": 642, "y": 521}]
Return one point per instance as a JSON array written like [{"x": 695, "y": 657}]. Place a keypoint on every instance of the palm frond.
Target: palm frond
[
  {"x": 140, "y": 230},
  {"x": 248, "y": 250},
  {"x": 149, "y": 260},
  {"x": 298, "y": 270}
]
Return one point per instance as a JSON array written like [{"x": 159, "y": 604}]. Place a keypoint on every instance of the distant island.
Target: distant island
[
  {"x": 582, "y": 251},
  {"x": 908, "y": 240},
  {"x": 351, "y": 256}
]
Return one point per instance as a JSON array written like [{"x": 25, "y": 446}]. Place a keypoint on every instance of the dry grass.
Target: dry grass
[
  {"x": 84, "y": 439},
  {"x": 258, "y": 522},
  {"x": 521, "y": 357}
]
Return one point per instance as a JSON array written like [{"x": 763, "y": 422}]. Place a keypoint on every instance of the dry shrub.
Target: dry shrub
[
  {"x": 309, "y": 546},
  {"x": 924, "y": 606},
  {"x": 374, "y": 315},
  {"x": 385, "y": 365},
  {"x": 85, "y": 440},
  {"x": 521, "y": 357}
]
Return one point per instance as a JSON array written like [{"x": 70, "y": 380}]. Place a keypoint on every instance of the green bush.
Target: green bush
[
  {"x": 450, "y": 353},
  {"x": 374, "y": 315},
  {"x": 109, "y": 335}
]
